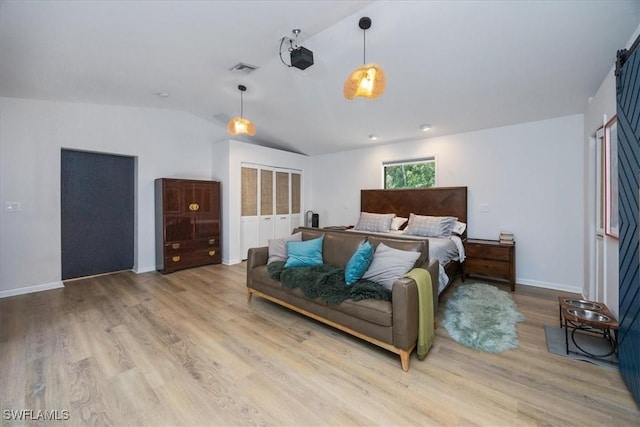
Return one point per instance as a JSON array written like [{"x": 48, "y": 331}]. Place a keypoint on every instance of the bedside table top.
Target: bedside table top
[{"x": 488, "y": 242}]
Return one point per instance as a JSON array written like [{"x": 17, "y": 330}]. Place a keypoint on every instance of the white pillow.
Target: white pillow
[
  {"x": 278, "y": 247},
  {"x": 459, "y": 228},
  {"x": 389, "y": 264},
  {"x": 430, "y": 226},
  {"x": 398, "y": 222},
  {"x": 374, "y": 222}
]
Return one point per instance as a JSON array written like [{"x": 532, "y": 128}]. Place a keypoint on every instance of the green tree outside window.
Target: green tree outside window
[{"x": 421, "y": 174}]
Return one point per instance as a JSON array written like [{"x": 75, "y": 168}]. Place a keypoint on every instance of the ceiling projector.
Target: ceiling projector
[{"x": 301, "y": 58}]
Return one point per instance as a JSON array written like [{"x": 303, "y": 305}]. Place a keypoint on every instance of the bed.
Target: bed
[{"x": 437, "y": 201}]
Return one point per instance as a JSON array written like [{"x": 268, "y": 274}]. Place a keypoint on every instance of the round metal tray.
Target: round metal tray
[
  {"x": 590, "y": 315},
  {"x": 588, "y": 305}
]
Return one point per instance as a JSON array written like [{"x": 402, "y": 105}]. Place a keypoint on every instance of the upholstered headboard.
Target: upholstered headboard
[{"x": 436, "y": 201}]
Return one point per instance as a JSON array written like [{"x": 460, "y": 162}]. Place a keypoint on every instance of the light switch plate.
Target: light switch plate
[{"x": 12, "y": 206}]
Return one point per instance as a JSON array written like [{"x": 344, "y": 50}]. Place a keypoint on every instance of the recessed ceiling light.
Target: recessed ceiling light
[
  {"x": 373, "y": 137},
  {"x": 425, "y": 127},
  {"x": 163, "y": 94}
]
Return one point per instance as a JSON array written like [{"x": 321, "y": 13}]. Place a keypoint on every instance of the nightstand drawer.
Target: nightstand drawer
[
  {"x": 496, "y": 252},
  {"x": 487, "y": 267}
]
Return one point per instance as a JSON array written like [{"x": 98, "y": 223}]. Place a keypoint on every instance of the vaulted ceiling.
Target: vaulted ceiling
[{"x": 457, "y": 65}]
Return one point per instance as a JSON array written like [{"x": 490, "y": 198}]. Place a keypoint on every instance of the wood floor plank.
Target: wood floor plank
[{"x": 188, "y": 349}]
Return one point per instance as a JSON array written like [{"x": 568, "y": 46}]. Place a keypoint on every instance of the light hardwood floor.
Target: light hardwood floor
[{"x": 188, "y": 349}]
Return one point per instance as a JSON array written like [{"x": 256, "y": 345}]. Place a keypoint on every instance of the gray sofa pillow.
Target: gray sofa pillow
[
  {"x": 389, "y": 265},
  {"x": 278, "y": 247}
]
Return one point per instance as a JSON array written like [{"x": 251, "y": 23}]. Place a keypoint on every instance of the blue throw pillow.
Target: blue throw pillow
[
  {"x": 304, "y": 254},
  {"x": 358, "y": 263}
]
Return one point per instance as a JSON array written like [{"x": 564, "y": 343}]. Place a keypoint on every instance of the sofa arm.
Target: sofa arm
[
  {"x": 404, "y": 300},
  {"x": 255, "y": 258}
]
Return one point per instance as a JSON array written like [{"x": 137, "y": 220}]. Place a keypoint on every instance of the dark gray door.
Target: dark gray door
[
  {"x": 97, "y": 198},
  {"x": 628, "y": 111}
]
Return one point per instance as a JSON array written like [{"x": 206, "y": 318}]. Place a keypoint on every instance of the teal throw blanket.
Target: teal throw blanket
[{"x": 326, "y": 282}]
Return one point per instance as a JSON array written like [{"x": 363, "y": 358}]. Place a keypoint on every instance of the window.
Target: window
[{"x": 410, "y": 174}]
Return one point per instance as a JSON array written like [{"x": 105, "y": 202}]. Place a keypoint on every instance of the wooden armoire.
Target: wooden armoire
[{"x": 188, "y": 226}]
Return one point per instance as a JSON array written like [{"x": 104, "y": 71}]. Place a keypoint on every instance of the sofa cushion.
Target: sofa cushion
[
  {"x": 339, "y": 247},
  {"x": 358, "y": 263},
  {"x": 304, "y": 254},
  {"x": 368, "y": 310},
  {"x": 278, "y": 247},
  {"x": 389, "y": 265}
]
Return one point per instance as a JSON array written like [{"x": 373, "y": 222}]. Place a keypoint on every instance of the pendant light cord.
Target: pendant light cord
[
  {"x": 241, "y": 105},
  {"x": 364, "y": 47}
]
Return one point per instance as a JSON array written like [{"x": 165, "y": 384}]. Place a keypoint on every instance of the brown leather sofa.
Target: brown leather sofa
[{"x": 392, "y": 325}]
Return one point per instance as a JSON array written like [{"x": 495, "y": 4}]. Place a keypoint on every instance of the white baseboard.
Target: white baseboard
[
  {"x": 231, "y": 261},
  {"x": 144, "y": 269},
  {"x": 549, "y": 285},
  {"x": 31, "y": 289}
]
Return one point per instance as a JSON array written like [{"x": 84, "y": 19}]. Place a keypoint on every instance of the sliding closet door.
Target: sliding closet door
[
  {"x": 271, "y": 204},
  {"x": 628, "y": 110}
]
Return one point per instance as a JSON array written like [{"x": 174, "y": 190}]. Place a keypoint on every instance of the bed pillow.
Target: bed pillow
[
  {"x": 374, "y": 222},
  {"x": 398, "y": 222},
  {"x": 278, "y": 247},
  {"x": 304, "y": 254},
  {"x": 459, "y": 228},
  {"x": 358, "y": 263},
  {"x": 389, "y": 264},
  {"x": 430, "y": 226}
]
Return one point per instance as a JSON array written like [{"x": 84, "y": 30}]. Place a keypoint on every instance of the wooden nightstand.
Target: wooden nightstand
[{"x": 489, "y": 258}]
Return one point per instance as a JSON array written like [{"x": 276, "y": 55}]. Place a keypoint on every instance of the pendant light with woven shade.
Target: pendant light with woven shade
[
  {"x": 240, "y": 125},
  {"x": 369, "y": 80}
]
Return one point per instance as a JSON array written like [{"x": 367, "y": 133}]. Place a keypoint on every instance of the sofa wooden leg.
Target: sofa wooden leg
[
  {"x": 404, "y": 359},
  {"x": 249, "y": 295}
]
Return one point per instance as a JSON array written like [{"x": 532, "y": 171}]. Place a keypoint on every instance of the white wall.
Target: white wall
[
  {"x": 530, "y": 175},
  {"x": 227, "y": 159},
  {"x": 166, "y": 144}
]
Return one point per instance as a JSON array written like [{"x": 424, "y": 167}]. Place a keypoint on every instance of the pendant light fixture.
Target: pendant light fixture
[
  {"x": 240, "y": 125},
  {"x": 369, "y": 80}
]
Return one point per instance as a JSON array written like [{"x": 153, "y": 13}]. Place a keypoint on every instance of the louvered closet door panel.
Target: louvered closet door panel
[
  {"x": 249, "y": 190},
  {"x": 282, "y": 225},
  {"x": 628, "y": 110},
  {"x": 248, "y": 210},
  {"x": 296, "y": 200},
  {"x": 266, "y": 218},
  {"x": 295, "y": 193}
]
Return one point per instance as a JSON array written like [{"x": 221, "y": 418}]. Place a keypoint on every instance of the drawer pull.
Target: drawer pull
[
  {"x": 194, "y": 207},
  {"x": 212, "y": 241},
  {"x": 176, "y": 246},
  {"x": 212, "y": 253},
  {"x": 175, "y": 258}
]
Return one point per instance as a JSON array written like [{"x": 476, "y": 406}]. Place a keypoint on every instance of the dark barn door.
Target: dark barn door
[
  {"x": 97, "y": 200},
  {"x": 628, "y": 111}
]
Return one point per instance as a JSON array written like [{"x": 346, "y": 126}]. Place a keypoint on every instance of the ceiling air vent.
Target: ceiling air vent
[{"x": 244, "y": 68}]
